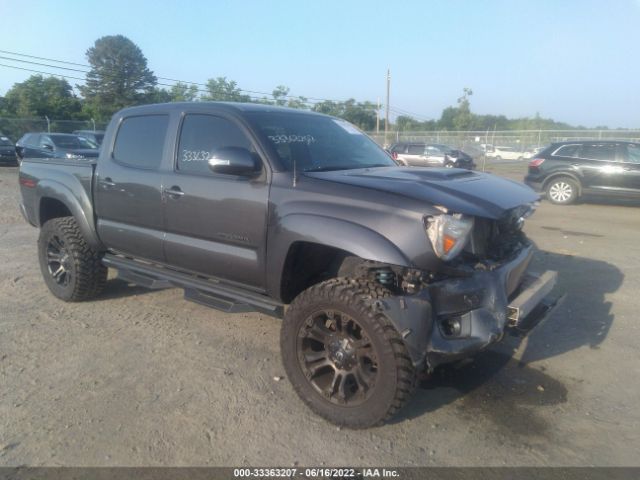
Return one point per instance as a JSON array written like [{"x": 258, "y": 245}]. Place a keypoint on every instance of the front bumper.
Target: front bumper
[{"x": 457, "y": 317}]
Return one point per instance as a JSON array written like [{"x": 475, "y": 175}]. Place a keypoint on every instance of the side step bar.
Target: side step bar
[{"x": 209, "y": 292}]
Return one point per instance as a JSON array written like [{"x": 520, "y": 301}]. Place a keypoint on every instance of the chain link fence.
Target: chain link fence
[
  {"x": 14, "y": 128},
  {"x": 521, "y": 140}
]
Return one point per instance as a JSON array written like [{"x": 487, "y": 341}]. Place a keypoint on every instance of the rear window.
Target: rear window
[
  {"x": 71, "y": 141},
  {"x": 416, "y": 150},
  {"x": 140, "y": 141}
]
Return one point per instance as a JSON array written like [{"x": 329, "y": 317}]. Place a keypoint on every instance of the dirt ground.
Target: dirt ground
[{"x": 146, "y": 378}]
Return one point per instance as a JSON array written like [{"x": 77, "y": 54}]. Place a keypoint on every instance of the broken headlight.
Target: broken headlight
[{"x": 448, "y": 233}]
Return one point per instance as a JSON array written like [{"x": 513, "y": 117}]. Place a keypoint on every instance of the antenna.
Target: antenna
[{"x": 295, "y": 170}]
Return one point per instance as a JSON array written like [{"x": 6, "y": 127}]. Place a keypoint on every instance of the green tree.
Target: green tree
[
  {"x": 280, "y": 94},
  {"x": 181, "y": 92},
  {"x": 463, "y": 117},
  {"x": 39, "y": 96},
  {"x": 119, "y": 77},
  {"x": 221, "y": 89},
  {"x": 362, "y": 114}
]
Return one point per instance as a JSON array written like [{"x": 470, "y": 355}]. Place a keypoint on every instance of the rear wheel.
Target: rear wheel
[
  {"x": 562, "y": 191},
  {"x": 343, "y": 356},
  {"x": 71, "y": 268}
]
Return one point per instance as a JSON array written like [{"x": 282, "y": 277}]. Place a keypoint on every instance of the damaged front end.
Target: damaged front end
[{"x": 473, "y": 299}]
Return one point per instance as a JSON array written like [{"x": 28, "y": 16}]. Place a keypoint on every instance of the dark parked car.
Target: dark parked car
[
  {"x": 95, "y": 136},
  {"x": 565, "y": 171},
  {"x": 430, "y": 155},
  {"x": 55, "y": 145},
  {"x": 387, "y": 271},
  {"x": 7, "y": 151}
]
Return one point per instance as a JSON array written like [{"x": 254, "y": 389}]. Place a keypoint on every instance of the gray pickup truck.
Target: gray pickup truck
[{"x": 385, "y": 271}]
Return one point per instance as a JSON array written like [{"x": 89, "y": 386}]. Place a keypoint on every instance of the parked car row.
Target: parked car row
[
  {"x": 80, "y": 144},
  {"x": 7, "y": 151},
  {"x": 56, "y": 145}
]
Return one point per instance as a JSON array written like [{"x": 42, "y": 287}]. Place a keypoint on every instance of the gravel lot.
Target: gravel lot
[{"x": 145, "y": 378}]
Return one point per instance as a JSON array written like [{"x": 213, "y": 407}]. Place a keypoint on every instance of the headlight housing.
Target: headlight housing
[{"x": 448, "y": 233}]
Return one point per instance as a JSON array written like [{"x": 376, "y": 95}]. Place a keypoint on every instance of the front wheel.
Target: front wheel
[
  {"x": 343, "y": 356},
  {"x": 71, "y": 268},
  {"x": 562, "y": 191}
]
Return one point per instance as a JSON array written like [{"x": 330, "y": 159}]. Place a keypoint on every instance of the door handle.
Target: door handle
[
  {"x": 173, "y": 192},
  {"x": 107, "y": 183}
]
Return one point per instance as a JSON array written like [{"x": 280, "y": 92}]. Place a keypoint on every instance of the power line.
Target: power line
[
  {"x": 160, "y": 78},
  {"x": 208, "y": 91},
  {"x": 82, "y": 79},
  {"x": 308, "y": 100}
]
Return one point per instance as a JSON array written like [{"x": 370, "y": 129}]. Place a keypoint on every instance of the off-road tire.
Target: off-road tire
[
  {"x": 87, "y": 274},
  {"x": 562, "y": 191},
  {"x": 396, "y": 376}
]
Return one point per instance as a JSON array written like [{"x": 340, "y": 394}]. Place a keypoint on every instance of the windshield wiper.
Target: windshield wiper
[
  {"x": 376, "y": 165},
  {"x": 326, "y": 168}
]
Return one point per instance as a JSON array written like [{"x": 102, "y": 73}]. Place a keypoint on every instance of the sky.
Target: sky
[{"x": 571, "y": 60}]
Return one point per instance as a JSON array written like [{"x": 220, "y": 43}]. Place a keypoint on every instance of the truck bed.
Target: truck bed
[{"x": 45, "y": 177}]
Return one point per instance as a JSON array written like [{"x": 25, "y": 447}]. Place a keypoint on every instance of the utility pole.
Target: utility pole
[
  {"x": 48, "y": 124},
  {"x": 378, "y": 120},
  {"x": 386, "y": 116}
]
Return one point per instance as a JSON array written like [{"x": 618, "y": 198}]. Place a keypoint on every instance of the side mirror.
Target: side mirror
[
  {"x": 234, "y": 161},
  {"x": 47, "y": 146}
]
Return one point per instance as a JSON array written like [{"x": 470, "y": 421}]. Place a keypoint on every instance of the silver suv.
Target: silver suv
[{"x": 430, "y": 155}]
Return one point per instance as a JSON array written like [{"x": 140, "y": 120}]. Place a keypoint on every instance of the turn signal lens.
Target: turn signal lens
[
  {"x": 448, "y": 243},
  {"x": 448, "y": 233}
]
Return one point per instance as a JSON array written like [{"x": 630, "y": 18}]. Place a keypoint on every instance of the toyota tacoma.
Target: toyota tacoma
[{"x": 379, "y": 272}]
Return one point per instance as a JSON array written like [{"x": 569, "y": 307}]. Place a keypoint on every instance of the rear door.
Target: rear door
[
  {"x": 434, "y": 156},
  {"x": 215, "y": 223},
  {"x": 600, "y": 167},
  {"x": 631, "y": 166},
  {"x": 128, "y": 198},
  {"x": 415, "y": 155}
]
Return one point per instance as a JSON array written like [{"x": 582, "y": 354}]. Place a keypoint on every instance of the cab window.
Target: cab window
[{"x": 201, "y": 136}]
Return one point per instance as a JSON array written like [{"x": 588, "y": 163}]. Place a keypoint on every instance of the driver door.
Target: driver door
[{"x": 215, "y": 223}]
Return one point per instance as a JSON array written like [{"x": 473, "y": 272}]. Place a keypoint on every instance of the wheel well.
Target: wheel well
[
  {"x": 52, "y": 208},
  {"x": 307, "y": 264},
  {"x": 562, "y": 175}
]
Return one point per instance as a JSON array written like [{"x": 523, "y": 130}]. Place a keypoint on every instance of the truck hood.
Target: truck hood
[{"x": 460, "y": 191}]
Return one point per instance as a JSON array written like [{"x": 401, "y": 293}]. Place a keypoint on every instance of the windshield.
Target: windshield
[
  {"x": 317, "y": 143},
  {"x": 4, "y": 141},
  {"x": 72, "y": 141}
]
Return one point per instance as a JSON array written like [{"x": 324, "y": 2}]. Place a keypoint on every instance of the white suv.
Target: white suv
[{"x": 505, "y": 153}]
